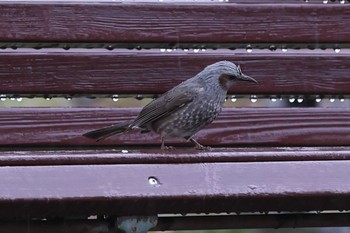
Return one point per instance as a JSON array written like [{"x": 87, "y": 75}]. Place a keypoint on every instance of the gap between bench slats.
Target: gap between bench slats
[
  {"x": 235, "y": 126},
  {"x": 275, "y": 221},
  {"x": 190, "y": 188},
  {"x": 251, "y": 221},
  {"x": 140, "y": 72},
  {"x": 176, "y": 23},
  {"x": 61, "y": 156}
]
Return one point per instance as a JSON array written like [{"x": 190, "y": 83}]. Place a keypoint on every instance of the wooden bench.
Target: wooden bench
[{"x": 269, "y": 167}]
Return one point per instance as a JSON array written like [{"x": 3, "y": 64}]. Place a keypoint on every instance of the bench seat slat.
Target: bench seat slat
[
  {"x": 32, "y": 157},
  {"x": 190, "y": 188},
  {"x": 176, "y": 23},
  {"x": 234, "y": 126},
  {"x": 132, "y": 72}
]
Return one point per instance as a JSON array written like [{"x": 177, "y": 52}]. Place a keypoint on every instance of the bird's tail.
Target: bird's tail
[{"x": 100, "y": 134}]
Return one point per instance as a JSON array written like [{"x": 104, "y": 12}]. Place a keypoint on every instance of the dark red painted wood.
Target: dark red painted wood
[
  {"x": 175, "y": 23},
  {"x": 86, "y": 72},
  {"x": 235, "y": 126},
  {"x": 47, "y": 156},
  {"x": 38, "y": 191},
  {"x": 185, "y": 223},
  {"x": 68, "y": 182},
  {"x": 310, "y": 2}
]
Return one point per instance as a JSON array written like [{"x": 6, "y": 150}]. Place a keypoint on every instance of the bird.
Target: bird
[{"x": 185, "y": 109}]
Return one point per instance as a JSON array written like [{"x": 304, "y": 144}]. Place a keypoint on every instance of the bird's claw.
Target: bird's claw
[
  {"x": 163, "y": 147},
  {"x": 201, "y": 147}
]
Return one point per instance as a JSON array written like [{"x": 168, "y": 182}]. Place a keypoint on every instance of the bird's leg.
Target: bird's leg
[
  {"x": 199, "y": 146},
  {"x": 164, "y": 147}
]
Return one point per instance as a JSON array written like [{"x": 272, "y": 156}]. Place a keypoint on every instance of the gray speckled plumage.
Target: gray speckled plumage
[{"x": 185, "y": 109}]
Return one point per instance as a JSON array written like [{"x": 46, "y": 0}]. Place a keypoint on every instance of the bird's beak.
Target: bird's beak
[{"x": 247, "y": 78}]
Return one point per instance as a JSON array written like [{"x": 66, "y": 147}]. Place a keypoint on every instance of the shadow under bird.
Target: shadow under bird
[{"x": 185, "y": 109}]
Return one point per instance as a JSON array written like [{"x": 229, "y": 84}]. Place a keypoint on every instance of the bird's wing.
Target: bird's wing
[{"x": 169, "y": 102}]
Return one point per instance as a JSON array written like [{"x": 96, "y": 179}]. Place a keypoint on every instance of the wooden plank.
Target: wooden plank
[
  {"x": 45, "y": 156},
  {"x": 87, "y": 72},
  {"x": 235, "y": 126},
  {"x": 202, "y": 1},
  {"x": 174, "y": 23},
  {"x": 38, "y": 191}
]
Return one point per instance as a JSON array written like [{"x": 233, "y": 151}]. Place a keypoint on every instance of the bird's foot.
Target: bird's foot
[
  {"x": 163, "y": 147},
  {"x": 199, "y": 146}
]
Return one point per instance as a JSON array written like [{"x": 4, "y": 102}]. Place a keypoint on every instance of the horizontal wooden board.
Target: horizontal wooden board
[
  {"x": 197, "y": 1},
  {"x": 87, "y": 72},
  {"x": 174, "y": 23},
  {"x": 42, "y": 191},
  {"x": 49, "y": 156},
  {"x": 235, "y": 126}
]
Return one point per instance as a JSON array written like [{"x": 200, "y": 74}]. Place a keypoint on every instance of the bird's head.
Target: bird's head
[{"x": 228, "y": 73}]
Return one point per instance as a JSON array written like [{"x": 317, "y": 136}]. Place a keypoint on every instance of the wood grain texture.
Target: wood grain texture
[
  {"x": 51, "y": 71},
  {"x": 38, "y": 191},
  {"x": 71, "y": 156},
  {"x": 174, "y": 23},
  {"x": 239, "y": 126}
]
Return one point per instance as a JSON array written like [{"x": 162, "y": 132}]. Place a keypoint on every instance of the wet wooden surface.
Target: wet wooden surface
[
  {"x": 126, "y": 189},
  {"x": 74, "y": 156},
  {"x": 49, "y": 170},
  {"x": 174, "y": 23},
  {"x": 54, "y": 71},
  {"x": 234, "y": 127}
]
